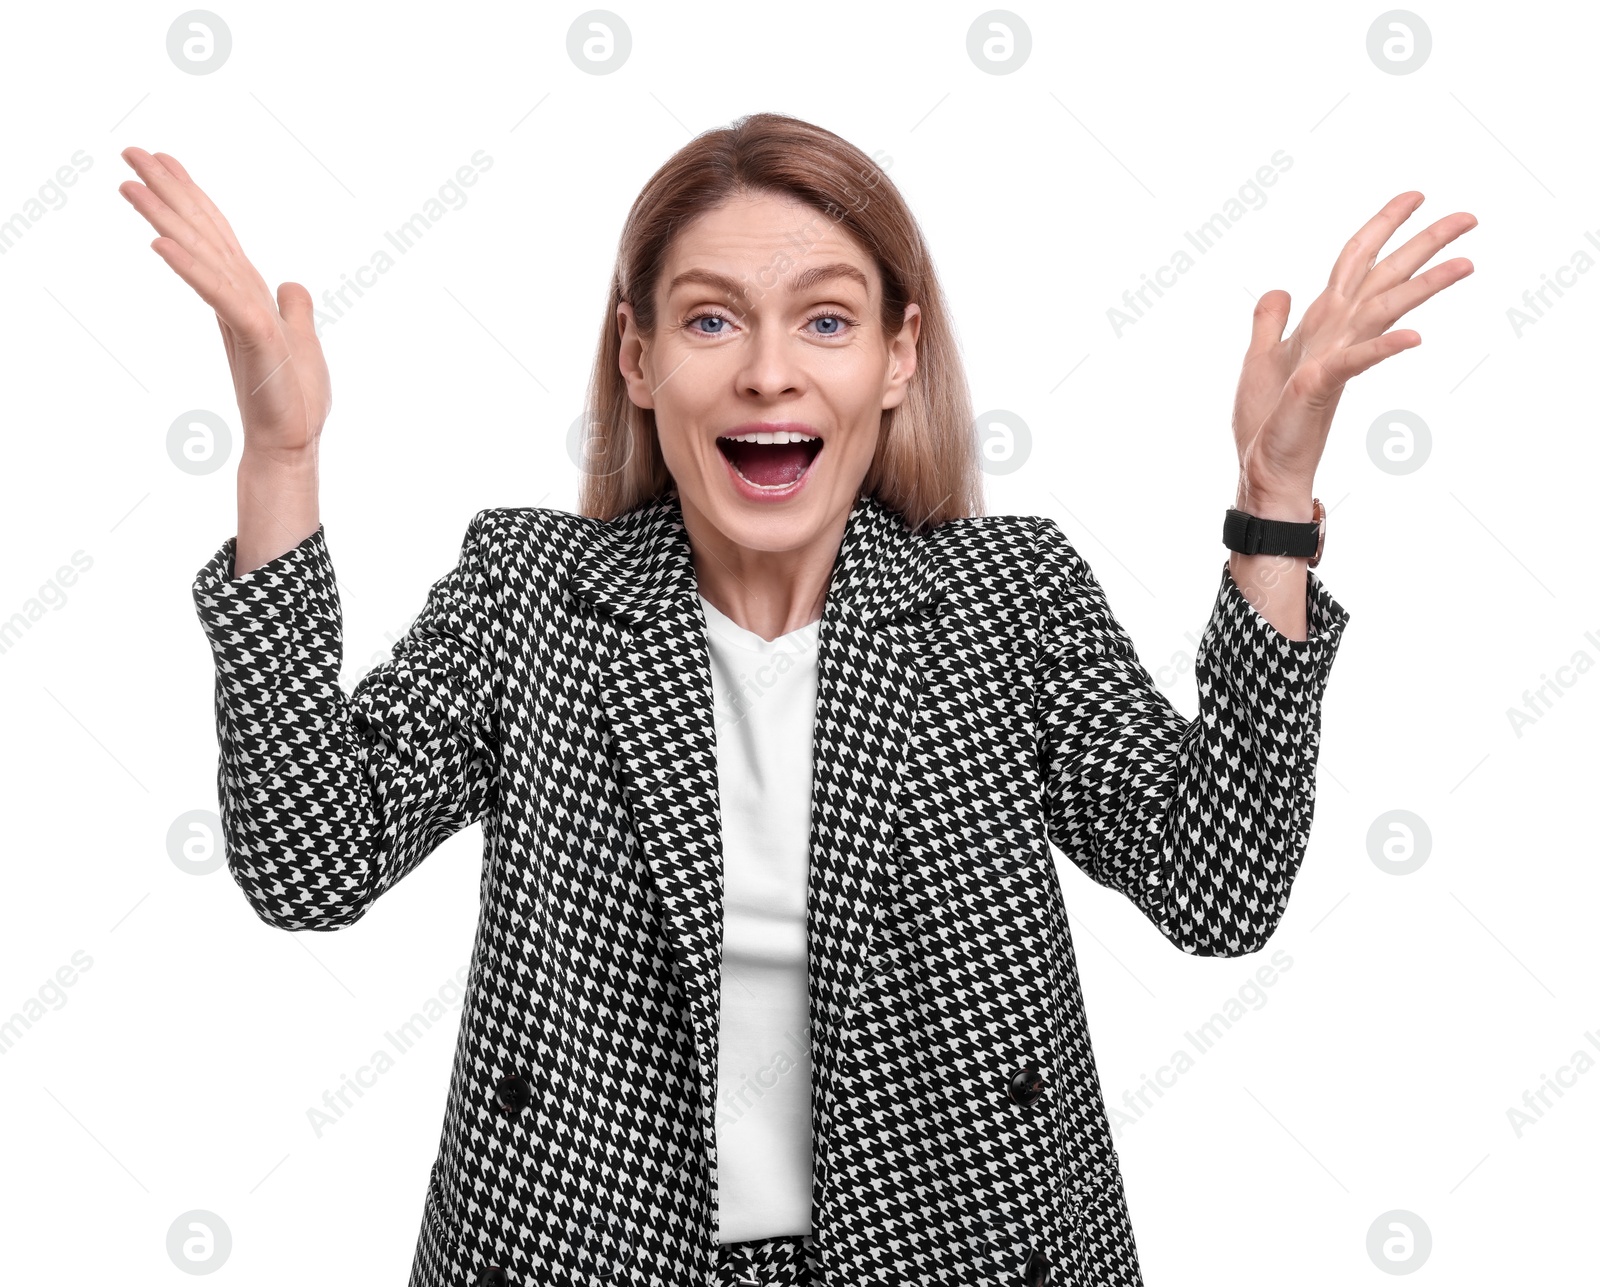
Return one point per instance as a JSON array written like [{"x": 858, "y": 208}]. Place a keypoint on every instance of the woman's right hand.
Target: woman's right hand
[{"x": 280, "y": 378}]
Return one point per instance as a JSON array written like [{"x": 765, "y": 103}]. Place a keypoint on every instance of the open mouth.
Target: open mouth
[{"x": 762, "y": 460}]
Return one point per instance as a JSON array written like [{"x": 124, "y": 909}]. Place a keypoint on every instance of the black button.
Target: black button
[
  {"x": 1036, "y": 1270},
  {"x": 493, "y": 1276},
  {"x": 1026, "y": 1085},
  {"x": 512, "y": 1094}
]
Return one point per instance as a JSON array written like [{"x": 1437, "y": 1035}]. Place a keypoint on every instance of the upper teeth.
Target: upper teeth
[{"x": 781, "y": 436}]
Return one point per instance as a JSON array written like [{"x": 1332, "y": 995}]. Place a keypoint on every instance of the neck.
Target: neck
[{"x": 768, "y": 592}]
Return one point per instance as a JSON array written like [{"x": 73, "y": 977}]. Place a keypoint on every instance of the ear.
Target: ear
[
  {"x": 902, "y": 358},
  {"x": 633, "y": 358}
]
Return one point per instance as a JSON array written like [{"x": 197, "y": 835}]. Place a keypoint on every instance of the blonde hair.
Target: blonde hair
[{"x": 926, "y": 465}]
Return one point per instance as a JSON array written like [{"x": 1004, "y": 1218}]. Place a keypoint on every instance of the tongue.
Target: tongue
[{"x": 769, "y": 464}]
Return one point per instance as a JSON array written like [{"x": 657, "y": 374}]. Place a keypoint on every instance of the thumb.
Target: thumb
[
  {"x": 1271, "y": 316},
  {"x": 294, "y": 303}
]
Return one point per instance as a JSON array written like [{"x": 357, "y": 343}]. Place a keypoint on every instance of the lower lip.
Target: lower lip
[{"x": 767, "y": 495}]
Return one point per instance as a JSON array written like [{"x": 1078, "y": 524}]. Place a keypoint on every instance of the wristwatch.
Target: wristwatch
[{"x": 1249, "y": 534}]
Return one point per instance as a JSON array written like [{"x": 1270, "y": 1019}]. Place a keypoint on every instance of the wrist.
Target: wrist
[
  {"x": 294, "y": 471},
  {"x": 1285, "y": 503}
]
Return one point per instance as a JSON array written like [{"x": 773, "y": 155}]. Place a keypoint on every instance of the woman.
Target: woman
[{"x": 772, "y": 981}]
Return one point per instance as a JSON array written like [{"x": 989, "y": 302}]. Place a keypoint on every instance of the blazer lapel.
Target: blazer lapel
[
  {"x": 869, "y": 683},
  {"x": 658, "y": 700}
]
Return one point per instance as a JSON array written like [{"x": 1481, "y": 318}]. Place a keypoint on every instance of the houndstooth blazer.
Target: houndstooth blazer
[{"x": 977, "y": 702}]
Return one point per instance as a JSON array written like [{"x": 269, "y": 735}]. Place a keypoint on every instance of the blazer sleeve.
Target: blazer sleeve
[
  {"x": 1202, "y": 823},
  {"x": 328, "y": 799}
]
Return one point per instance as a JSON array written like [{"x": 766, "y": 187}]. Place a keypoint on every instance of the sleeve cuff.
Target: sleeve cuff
[
  {"x": 1251, "y": 646},
  {"x": 270, "y": 603}
]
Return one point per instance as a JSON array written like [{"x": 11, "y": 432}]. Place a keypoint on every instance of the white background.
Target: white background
[{"x": 1375, "y": 1073}]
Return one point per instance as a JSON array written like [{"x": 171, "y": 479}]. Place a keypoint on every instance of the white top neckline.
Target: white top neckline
[{"x": 730, "y": 631}]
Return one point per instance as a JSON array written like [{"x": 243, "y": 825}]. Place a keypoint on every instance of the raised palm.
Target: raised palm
[
  {"x": 1290, "y": 386},
  {"x": 280, "y": 378}
]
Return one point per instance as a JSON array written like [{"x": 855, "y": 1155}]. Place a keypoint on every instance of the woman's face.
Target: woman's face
[{"x": 768, "y": 324}]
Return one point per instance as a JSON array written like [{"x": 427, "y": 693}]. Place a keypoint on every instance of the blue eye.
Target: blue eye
[{"x": 843, "y": 323}]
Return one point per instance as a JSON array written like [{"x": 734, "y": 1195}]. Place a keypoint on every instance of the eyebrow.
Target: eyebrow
[{"x": 733, "y": 288}]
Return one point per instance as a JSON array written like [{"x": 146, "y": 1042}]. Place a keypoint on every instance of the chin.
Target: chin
[{"x": 772, "y": 528}]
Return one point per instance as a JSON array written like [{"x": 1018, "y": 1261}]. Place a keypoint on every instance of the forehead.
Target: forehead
[{"x": 769, "y": 239}]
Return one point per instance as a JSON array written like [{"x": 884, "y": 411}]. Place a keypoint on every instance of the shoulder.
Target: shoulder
[
  {"x": 530, "y": 552},
  {"x": 1023, "y": 569},
  {"x": 1015, "y": 556},
  {"x": 541, "y": 547},
  {"x": 520, "y": 535}
]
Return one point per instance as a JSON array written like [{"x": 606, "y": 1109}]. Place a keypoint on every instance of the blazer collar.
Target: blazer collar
[{"x": 640, "y": 563}]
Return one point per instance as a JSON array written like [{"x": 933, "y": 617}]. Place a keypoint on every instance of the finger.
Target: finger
[
  {"x": 204, "y": 203},
  {"x": 150, "y": 200},
  {"x": 295, "y": 304},
  {"x": 246, "y": 320},
  {"x": 1267, "y": 323},
  {"x": 184, "y": 196},
  {"x": 1361, "y": 251},
  {"x": 165, "y": 187},
  {"x": 172, "y": 226},
  {"x": 1383, "y": 311},
  {"x": 1404, "y": 261},
  {"x": 202, "y": 207},
  {"x": 1357, "y": 358}
]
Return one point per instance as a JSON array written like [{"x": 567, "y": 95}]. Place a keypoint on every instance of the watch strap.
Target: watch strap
[{"x": 1250, "y": 534}]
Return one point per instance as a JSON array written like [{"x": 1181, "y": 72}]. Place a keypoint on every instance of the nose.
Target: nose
[{"x": 769, "y": 369}]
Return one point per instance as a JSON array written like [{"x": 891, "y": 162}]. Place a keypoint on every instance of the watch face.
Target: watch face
[{"x": 1319, "y": 513}]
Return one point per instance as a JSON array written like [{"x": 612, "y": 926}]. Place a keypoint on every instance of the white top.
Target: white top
[{"x": 766, "y": 697}]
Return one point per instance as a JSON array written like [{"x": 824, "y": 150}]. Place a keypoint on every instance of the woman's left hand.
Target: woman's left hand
[{"x": 1290, "y": 387}]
